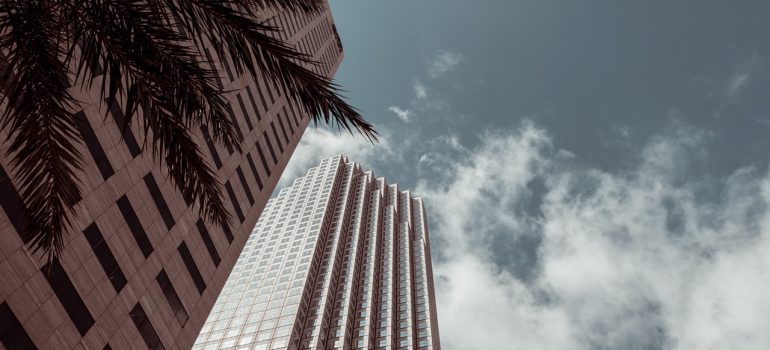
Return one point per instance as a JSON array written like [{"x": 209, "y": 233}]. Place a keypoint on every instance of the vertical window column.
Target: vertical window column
[
  {"x": 105, "y": 257},
  {"x": 12, "y": 333},
  {"x": 173, "y": 299},
  {"x": 157, "y": 198},
  {"x": 145, "y": 328},
  {"x": 68, "y": 296},
  {"x": 135, "y": 226},
  {"x": 192, "y": 268}
]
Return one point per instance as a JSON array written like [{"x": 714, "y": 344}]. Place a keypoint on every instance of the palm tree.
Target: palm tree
[{"x": 149, "y": 53}]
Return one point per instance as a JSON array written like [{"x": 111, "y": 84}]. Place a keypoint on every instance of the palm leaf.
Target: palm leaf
[
  {"x": 42, "y": 131},
  {"x": 148, "y": 52}
]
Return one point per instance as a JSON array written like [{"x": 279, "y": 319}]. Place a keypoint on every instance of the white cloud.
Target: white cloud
[
  {"x": 420, "y": 91},
  {"x": 633, "y": 260},
  {"x": 443, "y": 63},
  {"x": 737, "y": 83},
  {"x": 318, "y": 143},
  {"x": 403, "y": 114},
  {"x": 742, "y": 76}
]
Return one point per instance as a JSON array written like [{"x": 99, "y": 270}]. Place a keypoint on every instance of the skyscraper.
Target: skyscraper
[
  {"x": 140, "y": 268},
  {"x": 338, "y": 260}
]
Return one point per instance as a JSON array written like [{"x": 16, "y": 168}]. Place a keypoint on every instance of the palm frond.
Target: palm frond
[
  {"x": 237, "y": 34},
  {"x": 42, "y": 130},
  {"x": 147, "y": 52},
  {"x": 175, "y": 93},
  {"x": 305, "y": 6}
]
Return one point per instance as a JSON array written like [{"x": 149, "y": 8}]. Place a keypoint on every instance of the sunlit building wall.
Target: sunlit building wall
[{"x": 338, "y": 260}]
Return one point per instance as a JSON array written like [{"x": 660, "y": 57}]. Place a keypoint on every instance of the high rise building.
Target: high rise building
[
  {"x": 338, "y": 260},
  {"x": 140, "y": 268}
]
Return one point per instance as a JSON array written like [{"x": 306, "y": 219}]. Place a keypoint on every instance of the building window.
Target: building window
[
  {"x": 160, "y": 203},
  {"x": 173, "y": 299},
  {"x": 105, "y": 257},
  {"x": 262, "y": 158},
  {"x": 270, "y": 147},
  {"x": 253, "y": 102},
  {"x": 245, "y": 185},
  {"x": 135, "y": 226},
  {"x": 254, "y": 171},
  {"x": 128, "y": 135},
  {"x": 211, "y": 147},
  {"x": 93, "y": 145},
  {"x": 244, "y": 111},
  {"x": 68, "y": 296},
  {"x": 208, "y": 242},
  {"x": 275, "y": 135},
  {"x": 12, "y": 333},
  {"x": 145, "y": 328},
  {"x": 234, "y": 200},
  {"x": 234, "y": 121},
  {"x": 195, "y": 274},
  {"x": 10, "y": 201}
]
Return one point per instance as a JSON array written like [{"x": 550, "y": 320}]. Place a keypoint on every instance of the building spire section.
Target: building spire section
[{"x": 355, "y": 271}]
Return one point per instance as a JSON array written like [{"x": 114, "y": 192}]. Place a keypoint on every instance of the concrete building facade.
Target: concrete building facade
[
  {"x": 338, "y": 260},
  {"x": 140, "y": 268}
]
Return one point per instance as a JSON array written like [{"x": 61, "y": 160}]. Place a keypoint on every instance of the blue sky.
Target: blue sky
[{"x": 596, "y": 171}]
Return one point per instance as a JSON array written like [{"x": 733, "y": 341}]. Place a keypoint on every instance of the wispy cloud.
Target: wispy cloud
[
  {"x": 737, "y": 83},
  {"x": 742, "y": 76},
  {"x": 420, "y": 91},
  {"x": 403, "y": 114},
  {"x": 536, "y": 250},
  {"x": 442, "y": 63}
]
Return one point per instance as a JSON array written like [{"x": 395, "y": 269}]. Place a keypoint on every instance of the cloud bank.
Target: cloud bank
[
  {"x": 533, "y": 249},
  {"x": 318, "y": 143},
  {"x": 537, "y": 251}
]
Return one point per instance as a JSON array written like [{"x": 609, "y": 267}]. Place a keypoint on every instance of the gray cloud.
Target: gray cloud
[
  {"x": 442, "y": 63},
  {"x": 401, "y": 113},
  {"x": 742, "y": 76}
]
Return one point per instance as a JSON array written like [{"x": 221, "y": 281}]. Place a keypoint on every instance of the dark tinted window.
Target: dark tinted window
[
  {"x": 12, "y": 333},
  {"x": 224, "y": 62},
  {"x": 262, "y": 158},
  {"x": 234, "y": 200},
  {"x": 206, "y": 237},
  {"x": 105, "y": 257},
  {"x": 11, "y": 204},
  {"x": 275, "y": 134},
  {"x": 145, "y": 328},
  {"x": 128, "y": 135},
  {"x": 245, "y": 185},
  {"x": 211, "y": 147},
  {"x": 244, "y": 111},
  {"x": 288, "y": 122},
  {"x": 211, "y": 62},
  {"x": 270, "y": 147},
  {"x": 173, "y": 299},
  {"x": 253, "y": 102},
  {"x": 160, "y": 203},
  {"x": 234, "y": 121},
  {"x": 68, "y": 296},
  {"x": 134, "y": 225},
  {"x": 283, "y": 127},
  {"x": 191, "y": 267},
  {"x": 254, "y": 171},
  {"x": 93, "y": 145}
]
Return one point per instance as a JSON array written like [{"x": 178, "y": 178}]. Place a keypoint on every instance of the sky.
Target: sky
[{"x": 596, "y": 172}]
